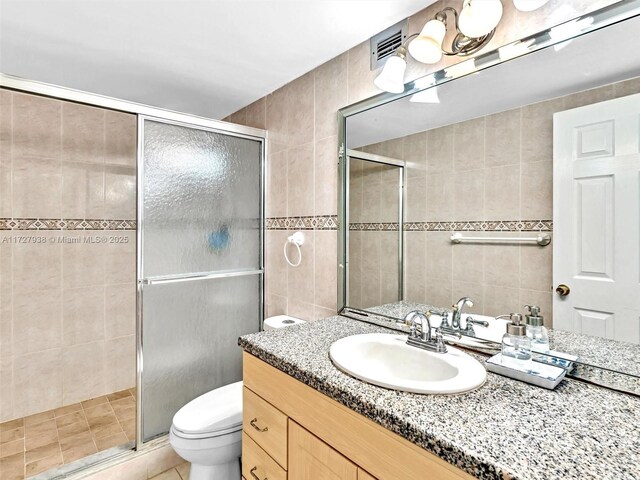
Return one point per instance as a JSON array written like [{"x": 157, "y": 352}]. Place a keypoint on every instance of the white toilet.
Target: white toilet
[{"x": 207, "y": 432}]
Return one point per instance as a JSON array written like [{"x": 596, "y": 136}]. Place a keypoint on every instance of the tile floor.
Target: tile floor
[
  {"x": 181, "y": 472},
  {"x": 34, "y": 444}
]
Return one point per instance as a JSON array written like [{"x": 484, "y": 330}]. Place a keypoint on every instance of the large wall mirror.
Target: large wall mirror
[{"x": 512, "y": 179}]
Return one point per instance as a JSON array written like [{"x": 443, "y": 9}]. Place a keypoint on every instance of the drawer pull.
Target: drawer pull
[
  {"x": 254, "y": 425},
  {"x": 256, "y": 477}
]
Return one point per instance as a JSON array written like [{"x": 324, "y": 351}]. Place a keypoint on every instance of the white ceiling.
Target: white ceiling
[{"x": 207, "y": 57}]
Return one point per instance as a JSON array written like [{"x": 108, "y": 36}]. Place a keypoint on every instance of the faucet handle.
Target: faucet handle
[
  {"x": 441, "y": 346},
  {"x": 473, "y": 321}
]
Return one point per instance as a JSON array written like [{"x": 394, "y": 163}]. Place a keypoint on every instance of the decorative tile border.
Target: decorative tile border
[
  {"x": 320, "y": 222},
  {"x": 65, "y": 224},
  {"x": 330, "y": 222},
  {"x": 374, "y": 227},
  {"x": 470, "y": 226}
]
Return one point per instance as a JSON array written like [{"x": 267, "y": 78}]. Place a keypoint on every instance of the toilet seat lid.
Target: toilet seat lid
[{"x": 214, "y": 411}]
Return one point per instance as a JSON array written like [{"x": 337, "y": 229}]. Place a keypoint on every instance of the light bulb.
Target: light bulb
[
  {"x": 478, "y": 18},
  {"x": 429, "y": 95},
  {"x": 391, "y": 79},
  {"x": 427, "y": 47},
  {"x": 528, "y": 5}
]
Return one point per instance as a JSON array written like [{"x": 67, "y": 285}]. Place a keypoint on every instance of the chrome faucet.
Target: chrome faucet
[
  {"x": 456, "y": 325},
  {"x": 419, "y": 325},
  {"x": 420, "y": 332},
  {"x": 457, "y": 311}
]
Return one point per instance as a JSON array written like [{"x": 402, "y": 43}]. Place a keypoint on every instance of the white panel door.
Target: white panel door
[{"x": 596, "y": 216}]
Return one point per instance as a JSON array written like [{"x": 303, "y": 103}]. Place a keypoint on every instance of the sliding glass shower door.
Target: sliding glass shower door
[{"x": 200, "y": 270}]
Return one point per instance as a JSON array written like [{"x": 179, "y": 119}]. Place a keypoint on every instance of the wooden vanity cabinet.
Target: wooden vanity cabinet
[
  {"x": 362, "y": 475},
  {"x": 266, "y": 425},
  {"x": 311, "y": 459},
  {"x": 293, "y": 432}
]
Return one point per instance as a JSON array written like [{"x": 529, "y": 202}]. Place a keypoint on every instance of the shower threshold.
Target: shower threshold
[{"x": 64, "y": 471}]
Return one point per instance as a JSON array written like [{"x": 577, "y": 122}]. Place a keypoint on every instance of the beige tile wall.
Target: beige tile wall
[
  {"x": 301, "y": 116},
  {"x": 67, "y": 310},
  {"x": 494, "y": 168}
]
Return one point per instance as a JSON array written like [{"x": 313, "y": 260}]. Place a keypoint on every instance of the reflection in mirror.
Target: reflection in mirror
[
  {"x": 545, "y": 144},
  {"x": 375, "y": 212}
]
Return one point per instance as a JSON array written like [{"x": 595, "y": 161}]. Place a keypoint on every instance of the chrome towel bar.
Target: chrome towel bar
[{"x": 541, "y": 239}]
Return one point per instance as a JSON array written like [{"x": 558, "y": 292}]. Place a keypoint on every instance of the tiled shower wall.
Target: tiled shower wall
[
  {"x": 374, "y": 234},
  {"x": 67, "y": 253},
  {"x": 496, "y": 168},
  {"x": 303, "y": 144}
]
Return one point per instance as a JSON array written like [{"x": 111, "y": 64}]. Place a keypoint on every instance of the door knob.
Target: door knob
[{"x": 563, "y": 290}]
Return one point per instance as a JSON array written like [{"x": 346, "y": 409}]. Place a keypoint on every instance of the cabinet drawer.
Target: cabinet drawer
[
  {"x": 256, "y": 464},
  {"x": 266, "y": 425}
]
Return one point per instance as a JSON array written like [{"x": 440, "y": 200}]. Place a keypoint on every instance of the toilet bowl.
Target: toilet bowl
[{"x": 208, "y": 433}]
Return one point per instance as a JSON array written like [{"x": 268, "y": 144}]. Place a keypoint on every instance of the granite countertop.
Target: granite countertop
[{"x": 504, "y": 430}]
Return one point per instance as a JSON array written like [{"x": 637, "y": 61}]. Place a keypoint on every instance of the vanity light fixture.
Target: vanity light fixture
[
  {"x": 479, "y": 18},
  {"x": 474, "y": 27},
  {"x": 427, "y": 48},
  {"x": 391, "y": 79}
]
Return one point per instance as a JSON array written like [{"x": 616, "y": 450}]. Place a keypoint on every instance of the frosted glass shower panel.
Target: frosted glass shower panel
[
  {"x": 202, "y": 201},
  {"x": 190, "y": 339}
]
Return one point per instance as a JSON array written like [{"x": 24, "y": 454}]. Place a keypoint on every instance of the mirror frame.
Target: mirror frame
[{"x": 609, "y": 15}]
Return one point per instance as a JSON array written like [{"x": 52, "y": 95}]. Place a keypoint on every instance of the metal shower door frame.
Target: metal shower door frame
[
  {"x": 402, "y": 180},
  {"x": 208, "y": 126}
]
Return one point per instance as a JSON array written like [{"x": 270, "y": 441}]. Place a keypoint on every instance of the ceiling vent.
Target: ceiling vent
[{"x": 385, "y": 43}]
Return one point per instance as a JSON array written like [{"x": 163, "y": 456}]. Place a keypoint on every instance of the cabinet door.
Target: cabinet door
[
  {"x": 312, "y": 459},
  {"x": 362, "y": 475}
]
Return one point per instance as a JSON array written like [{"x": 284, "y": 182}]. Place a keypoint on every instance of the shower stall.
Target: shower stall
[{"x": 131, "y": 259}]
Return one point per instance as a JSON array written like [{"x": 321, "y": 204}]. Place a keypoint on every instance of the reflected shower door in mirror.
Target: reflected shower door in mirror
[
  {"x": 375, "y": 229},
  {"x": 544, "y": 146}
]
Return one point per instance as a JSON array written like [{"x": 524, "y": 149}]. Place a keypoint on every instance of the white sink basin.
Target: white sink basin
[{"x": 387, "y": 361}]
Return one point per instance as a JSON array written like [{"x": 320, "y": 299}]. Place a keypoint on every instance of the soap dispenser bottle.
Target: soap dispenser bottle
[
  {"x": 536, "y": 330},
  {"x": 516, "y": 345}
]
